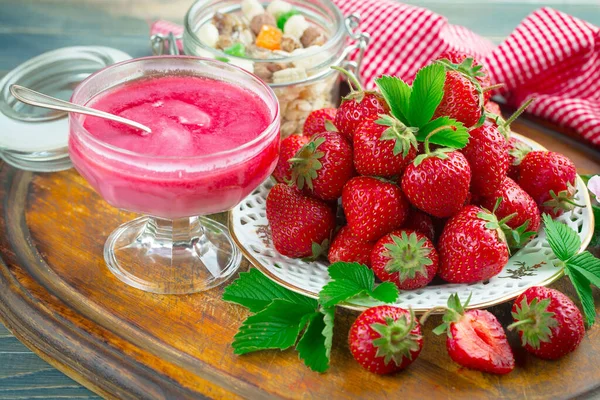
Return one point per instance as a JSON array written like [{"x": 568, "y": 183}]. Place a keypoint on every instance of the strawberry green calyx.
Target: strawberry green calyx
[
  {"x": 403, "y": 136},
  {"x": 408, "y": 256},
  {"x": 330, "y": 127},
  {"x": 518, "y": 237},
  {"x": 519, "y": 151},
  {"x": 500, "y": 226},
  {"x": 453, "y": 313},
  {"x": 466, "y": 68},
  {"x": 396, "y": 340},
  {"x": 534, "y": 322},
  {"x": 563, "y": 200},
  {"x": 318, "y": 249},
  {"x": 305, "y": 163}
]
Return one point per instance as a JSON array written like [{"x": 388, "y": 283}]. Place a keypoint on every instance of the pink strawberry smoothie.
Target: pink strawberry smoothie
[{"x": 202, "y": 156}]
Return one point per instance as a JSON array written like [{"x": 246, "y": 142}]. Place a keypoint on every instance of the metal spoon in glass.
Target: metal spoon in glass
[{"x": 38, "y": 99}]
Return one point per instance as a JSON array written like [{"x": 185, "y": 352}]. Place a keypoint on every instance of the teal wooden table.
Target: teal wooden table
[{"x": 28, "y": 28}]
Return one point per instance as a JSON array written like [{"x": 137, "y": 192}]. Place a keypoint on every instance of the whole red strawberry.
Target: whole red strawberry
[
  {"x": 517, "y": 150},
  {"x": 461, "y": 101},
  {"x": 476, "y": 339},
  {"x": 385, "y": 339},
  {"x": 315, "y": 122},
  {"x": 322, "y": 167},
  {"x": 298, "y": 222},
  {"x": 438, "y": 184},
  {"x": 357, "y": 107},
  {"x": 289, "y": 147},
  {"x": 347, "y": 247},
  {"x": 406, "y": 258},
  {"x": 549, "y": 178},
  {"x": 526, "y": 219},
  {"x": 472, "y": 247},
  {"x": 548, "y": 322},
  {"x": 418, "y": 221},
  {"x": 458, "y": 57},
  {"x": 383, "y": 147},
  {"x": 487, "y": 153},
  {"x": 373, "y": 207}
]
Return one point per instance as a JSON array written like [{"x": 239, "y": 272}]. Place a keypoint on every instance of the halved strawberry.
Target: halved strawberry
[
  {"x": 406, "y": 258},
  {"x": 299, "y": 224},
  {"x": 316, "y": 121},
  {"x": 373, "y": 207},
  {"x": 349, "y": 248},
  {"x": 358, "y": 106},
  {"x": 385, "y": 339},
  {"x": 475, "y": 339},
  {"x": 322, "y": 167},
  {"x": 289, "y": 147}
]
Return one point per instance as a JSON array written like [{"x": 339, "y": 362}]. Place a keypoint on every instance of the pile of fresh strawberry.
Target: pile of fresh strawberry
[{"x": 426, "y": 178}]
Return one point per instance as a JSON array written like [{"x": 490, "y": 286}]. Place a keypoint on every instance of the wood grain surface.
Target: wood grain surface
[
  {"x": 59, "y": 298},
  {"x": 30, "y": 27}
]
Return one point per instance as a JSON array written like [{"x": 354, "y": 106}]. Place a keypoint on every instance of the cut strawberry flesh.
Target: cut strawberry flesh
[{"x": 479, "y": 342}]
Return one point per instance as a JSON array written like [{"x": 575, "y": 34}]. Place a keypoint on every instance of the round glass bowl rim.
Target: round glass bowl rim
[
  {"x": 333, "y": 41},
  {"x": 272, "y": 98}
]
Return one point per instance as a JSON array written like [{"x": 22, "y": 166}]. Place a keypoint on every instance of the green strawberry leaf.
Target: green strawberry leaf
[
  {"x": 397, "y": 95},
  {"x": 350, "y": 280},
  {"x": 563, "y": 240},
  {"x": 385, "y": 292},
  {"x": 455, "y": 136},
  {"x": 584, "y": 292},
  {"x": 595, "y": 242},
  {"x": 314, "y": 347},
  {"x": 275, "y": 327},
  {"x": 427, "y": 93},
  {"x": 588, "y": 265},
  {"x": 255, "y": 291}
]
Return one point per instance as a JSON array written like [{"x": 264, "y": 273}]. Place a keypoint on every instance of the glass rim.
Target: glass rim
[
  {"x": 333, "y": 41},
  {"x": 272, "y": 98}
]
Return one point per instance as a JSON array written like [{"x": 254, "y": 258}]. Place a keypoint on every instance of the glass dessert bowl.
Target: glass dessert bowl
[{"x": 215, "y": 138}]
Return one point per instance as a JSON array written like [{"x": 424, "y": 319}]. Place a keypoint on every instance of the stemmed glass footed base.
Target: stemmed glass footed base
[{"x": 165, "y": 256}]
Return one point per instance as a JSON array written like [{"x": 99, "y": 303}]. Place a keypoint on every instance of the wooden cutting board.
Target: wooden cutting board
[{"x": 58, "y": 297}]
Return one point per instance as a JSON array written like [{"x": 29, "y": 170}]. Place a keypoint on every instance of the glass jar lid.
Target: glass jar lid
[{"x": 34, "y": 138}]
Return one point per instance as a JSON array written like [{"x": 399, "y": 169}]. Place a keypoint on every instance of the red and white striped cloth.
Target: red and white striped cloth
[{"x": 550, "y": 55}]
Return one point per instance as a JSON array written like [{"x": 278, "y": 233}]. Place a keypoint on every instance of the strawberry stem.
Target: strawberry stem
[
  {"x": 516, "y": 114},
  {"x": 433, "y": 132},
  {"x": 492, "y": 87},
  {"x": 519, "y": 323},
  {"x": 425, "y": 316},
  {"x": 355, "y": 85}
]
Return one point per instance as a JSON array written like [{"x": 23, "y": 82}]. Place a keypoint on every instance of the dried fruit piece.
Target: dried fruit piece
[{"x": 269, "y": 38}]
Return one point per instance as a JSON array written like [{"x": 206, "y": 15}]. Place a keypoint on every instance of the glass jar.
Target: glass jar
[{"x": 298, "y": 94}]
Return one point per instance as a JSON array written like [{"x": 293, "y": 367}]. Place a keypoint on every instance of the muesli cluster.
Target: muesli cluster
[{"x": 257, "y": 37}]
